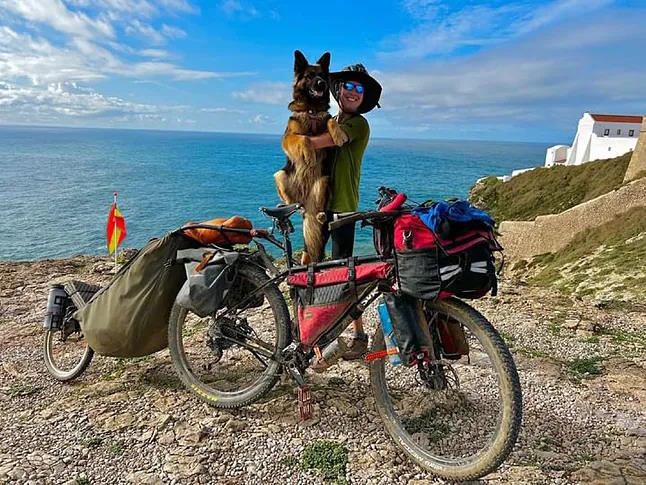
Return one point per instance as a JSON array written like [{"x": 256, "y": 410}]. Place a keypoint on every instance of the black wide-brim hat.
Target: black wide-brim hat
[{"x": 358, "y": 73}]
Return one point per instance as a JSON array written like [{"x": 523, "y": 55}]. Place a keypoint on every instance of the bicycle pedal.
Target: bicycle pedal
[{"x": 305, "y": 409}]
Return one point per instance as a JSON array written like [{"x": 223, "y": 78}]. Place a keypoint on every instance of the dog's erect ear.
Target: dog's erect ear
[
  {"x": 300, "y": 63},
  {"x": 324, "y": 61}
]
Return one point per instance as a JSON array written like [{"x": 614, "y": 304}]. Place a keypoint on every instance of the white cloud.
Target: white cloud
[
  {"x": 43, "y": 102},
  {"x": 146, "y": 31},
  {"x": 548, "y": 77},
  {"x": 172, "y": 32},
  {"x": 266, "y": 93},
  {"x": 55, "y": 14},
  {"x": 244, "y": 10},
  {"x": 260, "y": 119},
  {"x": 440, "y": 31},
  {"x": 221, "y": 109}
]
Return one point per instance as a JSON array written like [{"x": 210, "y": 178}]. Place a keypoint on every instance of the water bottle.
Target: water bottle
[
  {"x": 56, "y": 302},
  {"x": 389, "y": 334}
]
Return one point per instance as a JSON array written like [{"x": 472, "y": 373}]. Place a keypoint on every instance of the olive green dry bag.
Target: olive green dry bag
[{"x": 129, "y": 317}]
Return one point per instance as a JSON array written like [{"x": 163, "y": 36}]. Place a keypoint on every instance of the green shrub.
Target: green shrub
[
  {"x": 548, "y": 190},
  {"x": 329, "y": 457}
]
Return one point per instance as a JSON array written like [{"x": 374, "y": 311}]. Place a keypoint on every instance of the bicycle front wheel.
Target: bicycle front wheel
[
  {"x": 230, "y": 360},
  {"x": 461, "y": 418},
  {"x": 66, "y": 353}
]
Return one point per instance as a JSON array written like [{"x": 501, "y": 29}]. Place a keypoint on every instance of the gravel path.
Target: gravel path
[{"x": 130, "y": 420}]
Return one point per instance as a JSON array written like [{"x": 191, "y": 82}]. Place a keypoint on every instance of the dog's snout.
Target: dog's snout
[{"x": 319, "y": 83}]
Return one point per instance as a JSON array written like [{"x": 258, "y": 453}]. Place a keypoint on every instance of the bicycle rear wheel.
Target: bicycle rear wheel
[
  {"x": 66, "y": 352},
  {"x": 461, "y": 418},
  {"x": 229, "y": 360}
]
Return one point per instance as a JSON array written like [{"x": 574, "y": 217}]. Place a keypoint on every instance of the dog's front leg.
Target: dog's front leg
[
  {"x": 339, "y": 136},
  {"x": 281, "y": 179},
  {"x": 299, "y": 148}
]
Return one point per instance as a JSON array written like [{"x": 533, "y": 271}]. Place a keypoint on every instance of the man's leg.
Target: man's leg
[{"x": 342, "y": 247}]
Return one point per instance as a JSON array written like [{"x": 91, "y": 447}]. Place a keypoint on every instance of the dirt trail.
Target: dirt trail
[{"x": 582, "y": 371}]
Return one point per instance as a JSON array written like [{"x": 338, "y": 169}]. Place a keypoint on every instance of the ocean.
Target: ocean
[{"x": 56, "y": 184}]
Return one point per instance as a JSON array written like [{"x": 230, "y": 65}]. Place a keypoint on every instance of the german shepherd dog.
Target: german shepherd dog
[{"x": 305, "y": 176}]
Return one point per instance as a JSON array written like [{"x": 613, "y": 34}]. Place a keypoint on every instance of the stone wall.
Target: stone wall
[
  {"x": 638, "y": 160},
  {"x": 546, "y": 234}
]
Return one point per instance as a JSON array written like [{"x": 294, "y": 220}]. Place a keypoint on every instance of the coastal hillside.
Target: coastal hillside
[
  {"x": 548, "y": 190},
  {"x": 585, "y": 253},
  {"x": 605, "y": 263}
]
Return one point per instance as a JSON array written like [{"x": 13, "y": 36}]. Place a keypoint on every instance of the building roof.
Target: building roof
[{"x": 617, "y": 118}]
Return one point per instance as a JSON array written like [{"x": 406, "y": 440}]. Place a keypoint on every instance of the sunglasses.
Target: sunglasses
[{"x": 349, "y": 86}]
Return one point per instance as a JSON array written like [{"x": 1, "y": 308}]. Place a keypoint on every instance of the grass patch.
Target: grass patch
[
  {"x": 547, "y": 443},
  {"x": 548, "y": 190},
  {"x": 23, "y": 390},
  {"x": 535, "y": 353},
  {"x": 605, "y": 258},
  {"x": 336, "y": 381},
  {"x": 623, "y": 336},
  {"x": 117, "y": 448},
  {"x": 427, "y": 424},
  {"x": 586, "y": 368},
  {"x": 289, "y": 461},
  {"x": 115, "y": 373},
  {"x": 93, "y": 442},
  {"x": 509, "y": 339},
  {"x": 82, "y": 481},
  {"x": 329, "y": 457}
]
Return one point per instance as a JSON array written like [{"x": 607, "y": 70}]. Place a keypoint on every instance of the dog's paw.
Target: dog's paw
[
  {"x": 339, "y": 136},
  {"x": 321, "y": 217}
]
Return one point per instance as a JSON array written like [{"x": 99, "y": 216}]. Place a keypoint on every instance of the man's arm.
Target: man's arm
[
  {"x": 322, "y": 141},
  {"x": 334, "y": 136}
]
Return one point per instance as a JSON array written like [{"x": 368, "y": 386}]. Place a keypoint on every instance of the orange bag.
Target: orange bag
[{"x": 221, "y": 238}]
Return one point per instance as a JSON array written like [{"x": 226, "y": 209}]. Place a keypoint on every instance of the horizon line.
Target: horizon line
[{"x": 14, "y": 125}]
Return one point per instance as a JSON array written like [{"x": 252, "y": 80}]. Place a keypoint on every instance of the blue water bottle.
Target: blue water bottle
[{"x": 389, "y": 334}]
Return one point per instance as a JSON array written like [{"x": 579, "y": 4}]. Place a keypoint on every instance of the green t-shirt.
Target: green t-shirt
[{"x": 346, "y": 171}]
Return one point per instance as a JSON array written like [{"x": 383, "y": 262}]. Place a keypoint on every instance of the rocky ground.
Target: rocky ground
[{"x": 130, "y": 421}]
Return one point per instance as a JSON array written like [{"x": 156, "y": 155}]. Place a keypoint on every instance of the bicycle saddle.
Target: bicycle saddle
[{"x": 281, "y": 211}]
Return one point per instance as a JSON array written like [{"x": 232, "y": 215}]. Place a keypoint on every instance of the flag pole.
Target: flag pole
[{"x": 114, "y": 233}]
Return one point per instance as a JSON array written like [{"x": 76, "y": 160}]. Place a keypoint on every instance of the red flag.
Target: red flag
[{"x": 116, "y": 229}]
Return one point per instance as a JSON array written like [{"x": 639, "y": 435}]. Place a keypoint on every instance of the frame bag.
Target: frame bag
[{"x": 322, "y": 297}]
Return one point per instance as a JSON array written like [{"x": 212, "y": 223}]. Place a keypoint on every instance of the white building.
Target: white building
[{"x": 598, "y": 137}]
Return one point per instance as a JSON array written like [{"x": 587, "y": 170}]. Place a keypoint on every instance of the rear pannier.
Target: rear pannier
[
  {"x": 427, "y": 265},
  {"x": 321, "y": 297}
]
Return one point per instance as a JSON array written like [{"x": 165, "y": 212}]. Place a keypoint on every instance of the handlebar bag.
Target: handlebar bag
[
  {"x": 429, "y": 266},
  {"x": 321, "y": 297},
  {"x": 129, "y": 317}
]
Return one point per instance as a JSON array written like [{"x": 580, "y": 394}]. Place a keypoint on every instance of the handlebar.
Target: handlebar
[{"x": 365, "y": 216}]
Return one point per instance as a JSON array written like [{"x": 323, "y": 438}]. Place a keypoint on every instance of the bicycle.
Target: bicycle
[{"x": 237, "y": 355}]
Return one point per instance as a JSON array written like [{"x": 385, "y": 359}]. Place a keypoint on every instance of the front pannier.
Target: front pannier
[
  {"x": 428, "y": 265},
  {"x": 322, "y": 297}
]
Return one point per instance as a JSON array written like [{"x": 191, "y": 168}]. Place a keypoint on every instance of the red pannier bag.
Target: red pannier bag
[
  {"x": 429, "y": 266},
  {"x": 321, "y": 297}
]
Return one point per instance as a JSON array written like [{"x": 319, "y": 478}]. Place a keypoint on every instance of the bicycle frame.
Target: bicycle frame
[{"x": 285, "y": 227}]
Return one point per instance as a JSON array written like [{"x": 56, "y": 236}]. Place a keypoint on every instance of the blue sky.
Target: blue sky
[{"x": 490, "y": 70}]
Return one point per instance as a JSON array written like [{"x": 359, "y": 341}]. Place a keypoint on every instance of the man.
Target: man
[{"x": 357, "y": 93}]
